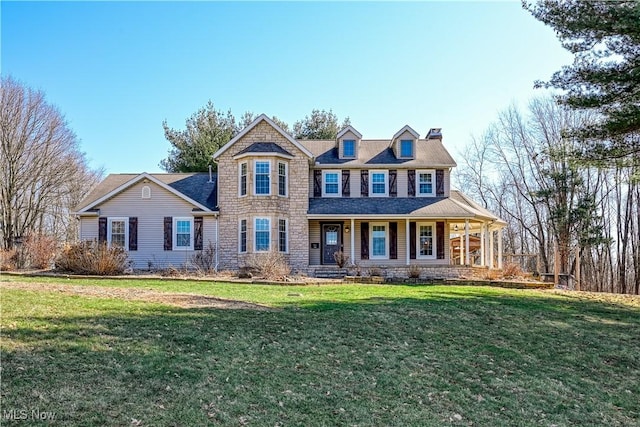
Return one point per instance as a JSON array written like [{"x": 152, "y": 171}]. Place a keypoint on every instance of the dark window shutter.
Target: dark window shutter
[
  {"x": 102, "y": 229},
  {"x": 346, "y": 183},
  {"x": 439, "y": 182},
  {"x": 393, "y": 187},
  {"x": 168, "y": 233},
  {"x": 412, "y": 240},
  {"x": 133, "y": 233},
  {"x": 364, "y": 183},
  {"x": 440, "y": 239},
  {"x": 364, "y": 240},
  {"x": 317, "y": 183},
  {"x": 393, "y": 240},
  {"x": 197, "y": 233},
  {"x": 411, "y": 178}
]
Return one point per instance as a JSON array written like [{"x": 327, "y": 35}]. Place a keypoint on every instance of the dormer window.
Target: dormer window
[
  {"x": 406, "y": 148},
  {"x": 349, "y": 148},
  {"x": 347, "y": 143}
]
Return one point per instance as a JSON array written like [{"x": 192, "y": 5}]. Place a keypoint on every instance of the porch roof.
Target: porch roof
[
  {"x": 411, "y": 206},
  {"x": 456, "y": 206}
]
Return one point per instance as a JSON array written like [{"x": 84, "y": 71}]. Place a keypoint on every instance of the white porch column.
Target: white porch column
[
  {"x": 407, "y": 242},
  {"x": 352, "y": 241},
  {"x": 461, "y": 251},
  {"x": 491, "y": 264},
  {"x": 467, "y": 259},
  {"x": 500, "y": 248},
  {"x": 482, "y": 246}
]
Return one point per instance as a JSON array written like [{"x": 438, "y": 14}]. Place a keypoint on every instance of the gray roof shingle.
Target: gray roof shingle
[
  {"x": 195, "y": 186},
  {"x": 265, "y": 147},
  {"x": 371, "y": 152}
]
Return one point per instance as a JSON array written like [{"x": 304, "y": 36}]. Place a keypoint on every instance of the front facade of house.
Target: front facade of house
[{"x": 381, "y": 203}]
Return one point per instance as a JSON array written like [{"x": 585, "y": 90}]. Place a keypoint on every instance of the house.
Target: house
[{"x": 382, "y": 202}]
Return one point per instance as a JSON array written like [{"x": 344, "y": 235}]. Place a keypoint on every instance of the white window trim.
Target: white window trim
[
  {"x": 110, "y": 220},
  {"x": 255, "y": 231},
  {"x": 255, "y": 177},
  {"x": 240, "y": 180},
  {"x": 355, "y": 154},
  {"x": 386, "y": 183},
  {"x": 339, "y": 174},
  {"x": 386, "y": 240},
  {"x": 286, "y": 179},
  {"x": 434, "y": 241},
  {"x": 146, "y": 192},
  {"x": 240, "y": 251},
  {"x": 286, "y": 231},
  {"x": 175, "y": 233},
  {"x": 413, "y": 149},
  {"x": 433, "y": 182}
]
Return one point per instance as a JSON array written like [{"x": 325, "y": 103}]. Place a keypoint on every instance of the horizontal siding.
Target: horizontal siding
[
  {"x": 402, "y": 250},
  {"x": 314, "y": 237},
  {"x": 150, "y": 214},
  {"x": 88, "y": 228},
  {"x": 403, "y": 186}
]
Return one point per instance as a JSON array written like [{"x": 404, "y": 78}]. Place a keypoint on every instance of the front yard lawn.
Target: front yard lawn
[{"x": 361, "y": 355}]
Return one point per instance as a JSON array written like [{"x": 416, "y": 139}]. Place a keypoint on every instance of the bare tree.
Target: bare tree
[{"x": 43, "y": 173}]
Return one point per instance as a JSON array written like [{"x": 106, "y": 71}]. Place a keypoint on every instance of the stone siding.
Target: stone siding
[{"x": 233, "y": 207}]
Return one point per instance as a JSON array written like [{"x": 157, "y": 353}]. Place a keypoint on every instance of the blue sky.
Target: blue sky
[{"x": 116, "y": 70}]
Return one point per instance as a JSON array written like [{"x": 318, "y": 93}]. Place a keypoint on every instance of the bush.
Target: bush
[
  {"x": 8, "y": 259},
  {"x": 512, "y": 271},
  {"x": 270, "y": 265},
  {"x": 204, "y": 261},
  {"x": 91, "y": 257},
  {"x": 375, "y": 271},
  {"x": 40, "y": 250},
  {"x": 341, "y": 258},
  {"x": 414, "y": 271}
]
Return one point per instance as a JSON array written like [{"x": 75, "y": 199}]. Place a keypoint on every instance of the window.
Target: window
[
  {"x": 282, "y": 179},
  {"x": 282, "y": 235},
  {"x": 331, "y": 186},
  {"x": 263, "y": 181},
  {"x": 426, "y": 240},
  {"x": 425, "y": 182},
  {"x": 182, "y": 234},
  {"x": 378, "y": 183},
  {"x": 243, "y": 179},
  {"x": 348, "y": 148},
  {"x": 118, "y": 232},
  {"x": 406, "y": 148},
  {"x": 243, "y": 236},
  {"x": 263, "y": 234},
  {"x": 379, "y": 241},
  {"x": 146, "y": 192}
]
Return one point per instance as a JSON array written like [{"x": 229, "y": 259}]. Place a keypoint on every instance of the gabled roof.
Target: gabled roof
[
  {"x": 403, "y": 130},
  {"x": 194, "y": 188},
  {"x": 265, "y": 147},
  {"x": 260, "y": 118},
  {"x": 349, "y": 129},
  {"x": 377, "y": 153}
]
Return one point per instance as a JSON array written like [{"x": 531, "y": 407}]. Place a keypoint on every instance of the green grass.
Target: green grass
[{"x": 336, "y": 355}]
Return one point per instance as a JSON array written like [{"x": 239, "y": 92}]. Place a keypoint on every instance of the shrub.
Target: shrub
[
  {"x": 511, "y": 271},
  {"x": 204, "y": 261},
  {"x": 341, "y": 258},
  {"x": 91, "y": 257},
  {"x": 40, "y": 250},
  {"x": 8, "y": 259},
  {"x": 375, "y": 271},
  {"x": 270, "y": 265},
  {"x": 414, "y": 271}
]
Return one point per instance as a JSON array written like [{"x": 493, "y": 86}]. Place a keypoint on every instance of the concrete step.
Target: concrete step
[{"x": 330, "y": 273}]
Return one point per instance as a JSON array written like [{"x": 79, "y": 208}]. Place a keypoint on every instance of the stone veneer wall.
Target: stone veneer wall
[
  {"x": 426, "y": 272},
  {"x": 293, "y": 208}
]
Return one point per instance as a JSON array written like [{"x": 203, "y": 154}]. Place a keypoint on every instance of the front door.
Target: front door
[{"x": 331, "y": 242}]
